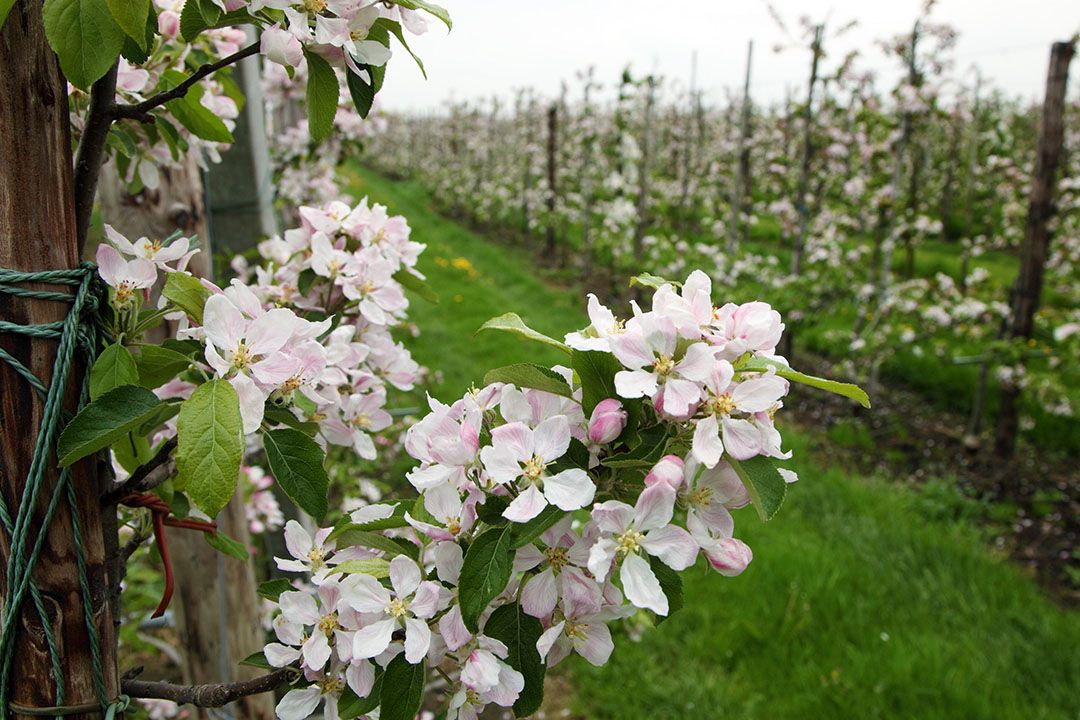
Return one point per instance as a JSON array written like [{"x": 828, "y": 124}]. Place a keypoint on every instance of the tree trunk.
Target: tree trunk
[
  {"x": 38, "y": 232},
  {"x": 552, "y": 175},
  {"x": 807, "y": 156},
  {"x": 742, "y": 163},
  {"x": 1028, "y": 288}
]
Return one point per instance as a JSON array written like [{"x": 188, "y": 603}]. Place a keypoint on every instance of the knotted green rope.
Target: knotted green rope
[{"x": 77, "y": 333}]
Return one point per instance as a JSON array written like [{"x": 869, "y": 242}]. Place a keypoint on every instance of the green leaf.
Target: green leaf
[
  {"x": 430, "y": 7},
  {"x": 296, "y": 462},
  {"x": 519, "y": 633},
  {"x": 272, "y": 589},
  {"x": 113, "y": 368},
  {"x": 186, "y": 292},
  {"x": 402, "y": 689},
  {"x": 274, "y": 415},
  {"x": 130, "y": 15},
  {"x": 226, "y": 545},
  {"x": 491, "y": 510},
  {"x": 158, "y": 365},
  {"x": 322, "y": 96},
  {"x": 137, "y": 52},
  {"x": 397, "y": 520},
  {"x": 84, "y": 36},
  {"x": 104, "y": 421},
  {"x": 485, "y": 573},
  {"x": 530, "y": 375},
  {"x": 133, "y": 450},
  {"x": 377, "y": 568},
  {"x": 351, "y": 707},
  {"x": 764, "y": 483},
  {"x": 5, "y": 8},
  {"x": 210, "y": 445},
  {"x": 652, "y": 281},
  {"x": 670, "y": 583},
  {"x": 192, "y": 114},
  {"x": 361, "y": 91},
  {"x": 258, "y": 660},
  {"x": 512, "y": 322},
  {"x": 649, "y": 448},
  {"x": 848, "y": 390},
  {"x": 596, "y": 373},
  {"x": 395, "y": 27},
  {"x": 530, "y": 531},
  {"x": 410, "y": 282},
  {"x": 390, "y": 546}
]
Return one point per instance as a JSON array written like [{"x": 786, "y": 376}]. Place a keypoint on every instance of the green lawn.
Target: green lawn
[{"x": 865, "y": 600}]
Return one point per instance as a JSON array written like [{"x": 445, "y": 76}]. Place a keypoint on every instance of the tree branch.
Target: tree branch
[
  {"x": 147, "y": 476},
  {"x": 91, "y": 152},
  {"x": 140, "y": 111},
  {"x": 207, "y": 696}
]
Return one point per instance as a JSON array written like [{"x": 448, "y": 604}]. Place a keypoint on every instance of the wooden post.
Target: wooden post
[
  {"x": 1028, "y": 287},
  {"x": 643, "y": 171},
  {"x": 742, "y": 161},
  {"x": 552, "y": 172},
  {"x": 885, "y": 276},
  {"x": 969, "y": 193},
  {"x": 38, "y": 232},
  {"x": 807, "y": 155}
]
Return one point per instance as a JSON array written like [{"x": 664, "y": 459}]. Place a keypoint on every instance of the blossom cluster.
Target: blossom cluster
[{"x": 603, "y": 498}]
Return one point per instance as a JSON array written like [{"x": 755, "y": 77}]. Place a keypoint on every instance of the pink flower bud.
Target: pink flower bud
[
  {"x": 728, "y": 556},
  {"x": 168, "y": 24},
  {"x": 669, "y": 470},
  {"x": 607, "y": 422}
]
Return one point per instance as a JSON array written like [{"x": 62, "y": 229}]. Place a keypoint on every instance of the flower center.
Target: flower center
[
  {"x": 534, "y": 468},
  {"x": 362, "y": 422},
  {"x": 314, "y": 6},
  {"x": 576, "y": 630},
  {"x": 379, "y": 236},
  {"x": 367, "y": 287},
  {"x": 629, "y": 542},
  {"x": 315, "y": 557},
  {"x": 701, "y": 497},
  {"x": 722, "y": 405},
  {"x": 330, "y": 686},
  {"x": 329, "y": 623},
  {"x": 397, "y": 607},
  {"x": 663, "y": 365},
  {"x": 557, "y": 558},
  {"x": 242, "y": 357},
  {"x": 124, "y": 291},
  {"x": 453, "y": 526}
]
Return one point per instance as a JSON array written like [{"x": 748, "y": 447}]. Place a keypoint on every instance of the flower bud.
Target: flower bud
[
  {"x": 168, "y": 24},
  {"x": 607, "y": 422},
  {"x": 669, "y": 470},
  {"x": 728, "y": 556}
]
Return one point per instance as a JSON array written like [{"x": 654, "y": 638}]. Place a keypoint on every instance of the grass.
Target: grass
[{"x": 866, "y": 600}]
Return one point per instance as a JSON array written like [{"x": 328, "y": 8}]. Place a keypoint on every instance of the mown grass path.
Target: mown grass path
[{"x": 865, "y": 600}]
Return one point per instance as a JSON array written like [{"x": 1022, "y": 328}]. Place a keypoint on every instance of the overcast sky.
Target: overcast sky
[{"x": 499, "y": 45}]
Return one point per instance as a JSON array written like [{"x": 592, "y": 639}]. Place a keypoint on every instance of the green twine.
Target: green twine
[{"x": 78, "y": 332}]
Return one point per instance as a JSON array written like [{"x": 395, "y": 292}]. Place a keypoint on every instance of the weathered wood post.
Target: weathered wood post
[
  {"x": 552, "y": 177},
  {"x": 38, "y": 232},
  {"x": 803, "y": 186},
  {"x": 1029, "y": 282},
  {"x": 742, "y": 161}
]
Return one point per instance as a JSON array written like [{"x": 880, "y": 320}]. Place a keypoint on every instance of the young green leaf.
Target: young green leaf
[
  {"x": 530, "y": 531},
  {"x": 85, "y": 37},
  {"x": 652, "y": 281},
  {"x": 402, "y": 690},
  {"x": 485, "y": 573},
  {"x": 395, "y": 27},
  {"x": 130, "y": 15},
  {"x": 377, "y": 568},
  {"x": 192, "y": 114},
  {"x": 272, "y": 589},
  {"x": 350, "y": 537},
  {"x": 847, "y": 390},
  {"x": 596, "y": 373},
  {"x": 410, "y": 282},
  {"x": 361, "y": 91},
  {"x": 104, "y": 421},
  {"x": 158, "y": 365},
  {"x": 258, "y": 660},
  {"x": 113, "y": 368},
  {"x": 764, "y": 483},
  {"x": 430, "y": 7},
  {"x": 296, "y": 462},
  {"x": 322, "y": 96},
  {"x": 226, "y": 545},
  {"x": 210, "y": 445},
  {"x": 520, "y": 632},
  {"x": 512, "y": 322},
  {"x": 186, "y": 292},
  {"x": 530, "y": 375}
]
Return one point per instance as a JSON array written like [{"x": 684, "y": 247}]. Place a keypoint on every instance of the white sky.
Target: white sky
[{"x": 499, "y": 45}]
